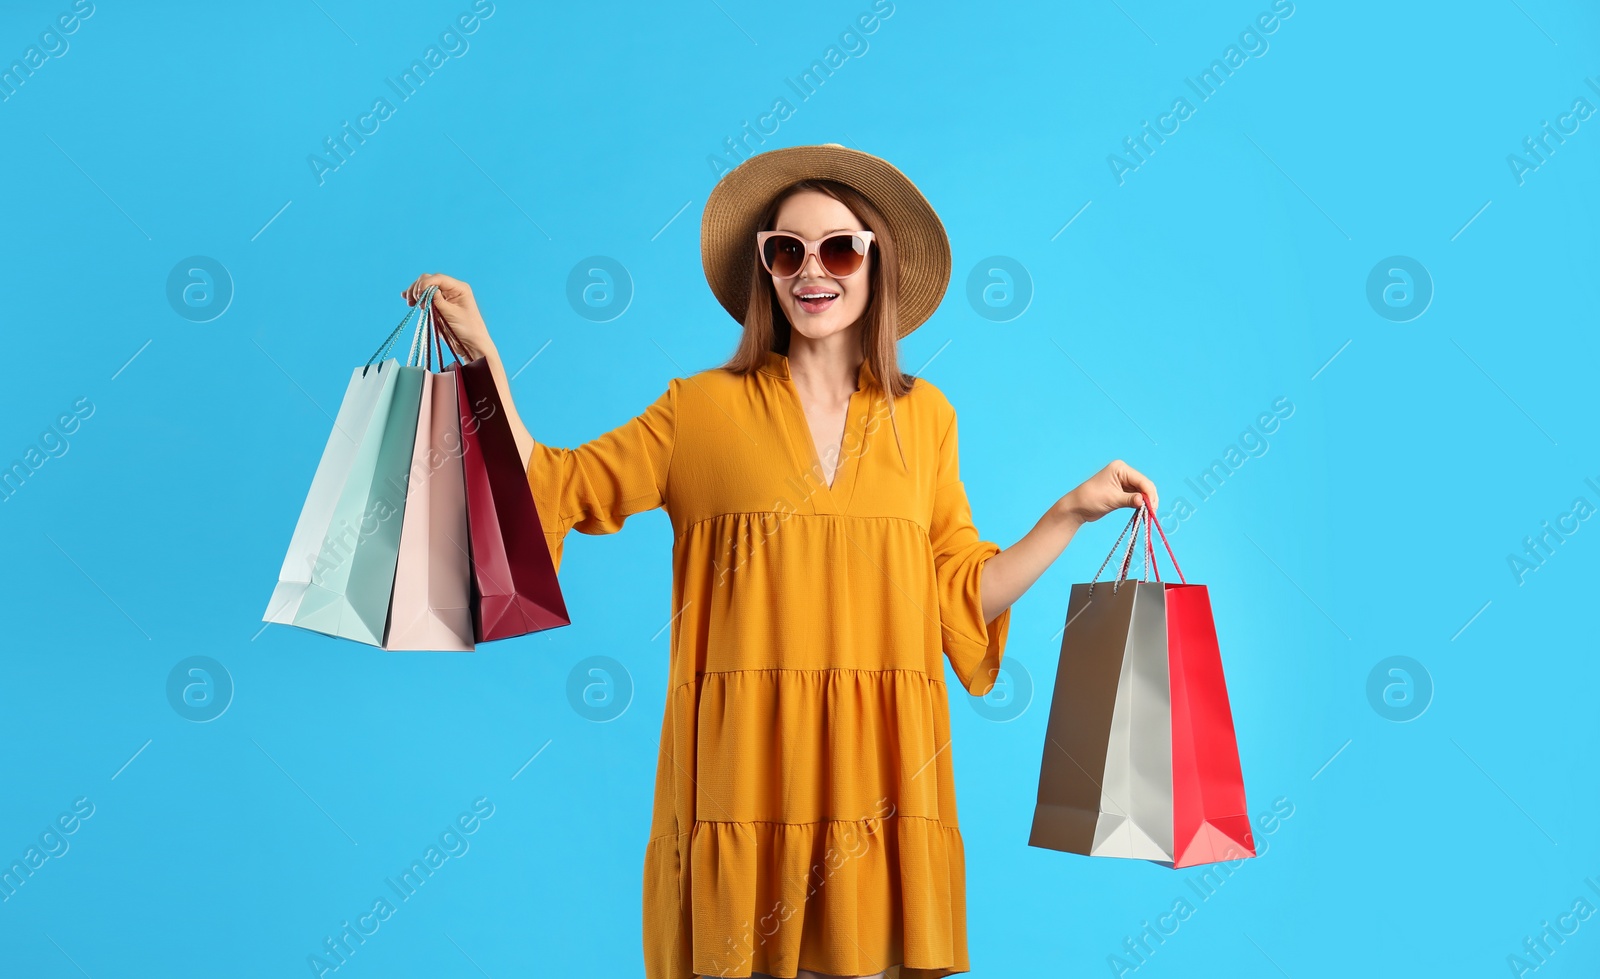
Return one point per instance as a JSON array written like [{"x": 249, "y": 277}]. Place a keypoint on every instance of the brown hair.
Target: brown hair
[{"x": 767, "y": 328}]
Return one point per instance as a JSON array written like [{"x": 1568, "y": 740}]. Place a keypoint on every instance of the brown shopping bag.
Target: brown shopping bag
[{"x": 1140, "y": 758}]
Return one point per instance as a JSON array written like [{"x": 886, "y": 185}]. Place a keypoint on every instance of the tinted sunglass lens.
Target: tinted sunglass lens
[
  {"x": 784, "y": 254},
  {"x": 842, "y": 254}
]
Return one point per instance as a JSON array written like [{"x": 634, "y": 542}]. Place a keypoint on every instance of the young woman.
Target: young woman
[{"x": 825, "y": 563}]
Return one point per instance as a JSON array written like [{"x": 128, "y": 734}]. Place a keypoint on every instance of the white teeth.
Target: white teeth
[{"x": 812, "y": 296}]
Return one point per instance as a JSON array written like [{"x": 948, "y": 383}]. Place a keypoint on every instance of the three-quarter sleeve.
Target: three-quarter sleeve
[
  {"x": 593, "y": 488},
  {"x": 973, "y": 645}
]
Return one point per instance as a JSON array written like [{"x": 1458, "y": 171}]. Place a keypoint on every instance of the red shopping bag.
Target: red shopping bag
[
  {"x": 1209, "y": 821},
  {"x": 515, "y": 590},
  {"x": 1140, "y": 758}
]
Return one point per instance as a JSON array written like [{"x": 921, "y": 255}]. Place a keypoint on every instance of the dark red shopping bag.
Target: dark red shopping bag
[{"x": 515, "y": 590}]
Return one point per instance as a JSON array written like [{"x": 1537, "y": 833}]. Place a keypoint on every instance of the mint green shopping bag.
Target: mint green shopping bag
[
  {"x": 333, "y": 471},
  {"x": 353, "y": 578}
]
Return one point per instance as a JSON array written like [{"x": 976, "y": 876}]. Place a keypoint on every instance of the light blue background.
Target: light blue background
[{"x": 1229, "y": 270}]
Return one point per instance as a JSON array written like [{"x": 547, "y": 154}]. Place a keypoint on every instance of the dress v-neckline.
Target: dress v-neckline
[
  {"x": 826, "y": 497},
  {"x": 844, "y": 431}
]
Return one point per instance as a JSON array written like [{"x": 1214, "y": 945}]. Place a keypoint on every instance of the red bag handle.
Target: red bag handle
[{"x": 1151, "y": 516}]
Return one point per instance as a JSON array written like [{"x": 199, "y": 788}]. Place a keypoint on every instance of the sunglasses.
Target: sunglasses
[{"x": 784, "y": 253}]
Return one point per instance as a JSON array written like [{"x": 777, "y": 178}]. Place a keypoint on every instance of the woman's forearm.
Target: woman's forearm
[
  {"x": 1014, "y": 570},
  {"x": 1007, "y": 575},
  {"x": 519, "y": 431}
]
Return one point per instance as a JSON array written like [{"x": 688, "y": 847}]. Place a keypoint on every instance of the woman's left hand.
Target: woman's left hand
[{"x": 1116, "y": 486}]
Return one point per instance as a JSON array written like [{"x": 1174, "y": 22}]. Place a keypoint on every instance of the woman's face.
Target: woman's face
[{"x": 812, "y": 215}]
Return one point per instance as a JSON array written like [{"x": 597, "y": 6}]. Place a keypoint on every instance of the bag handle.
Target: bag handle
[
  {"x": 1127, "y": 557},
  {"x": 431, "y": 340},
  {"x": 383, "y": 348},
  {"x": 433, "y": 331},
  {"x": 1132, "y": 524},
  {"x": 414, "y": 356},
  {"x": 1181, "y": 579},
  {"x": 1144, "y": 517},
  {"x": 441, "y": 328},
  {"x": 425, "y": 327}
]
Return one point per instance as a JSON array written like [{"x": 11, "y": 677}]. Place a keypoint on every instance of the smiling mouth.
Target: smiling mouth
[{"x": 815, "y": 300}]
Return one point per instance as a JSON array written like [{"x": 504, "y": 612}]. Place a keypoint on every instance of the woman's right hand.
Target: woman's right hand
[
  {"x": 465, "y": 330},
  {"x": 1117, "y": 485}
]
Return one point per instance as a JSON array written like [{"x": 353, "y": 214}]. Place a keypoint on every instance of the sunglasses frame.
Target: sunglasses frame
[{"x": 813, "y": 247}]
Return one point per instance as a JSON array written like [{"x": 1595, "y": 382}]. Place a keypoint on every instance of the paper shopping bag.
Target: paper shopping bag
[
  {"x": 316, "y": 515},
  {"x": 354, "y": 576},
  {"x": 432, "y": 603},
  {"x": 1210, "y": 822},
  {"x": 1105, "y": 785},
  {"x": 1140, "y": 758},
  {"x": 515, "y": 588}
]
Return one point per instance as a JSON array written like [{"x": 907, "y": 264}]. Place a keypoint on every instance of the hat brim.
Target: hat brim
[{"x": 728, "y": 225}]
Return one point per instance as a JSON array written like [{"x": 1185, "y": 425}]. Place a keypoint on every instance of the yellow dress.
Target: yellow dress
[{"x": 805, "y": 811}]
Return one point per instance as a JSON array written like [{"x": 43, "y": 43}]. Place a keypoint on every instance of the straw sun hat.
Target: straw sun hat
[{"x": 728, "y": 227}]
